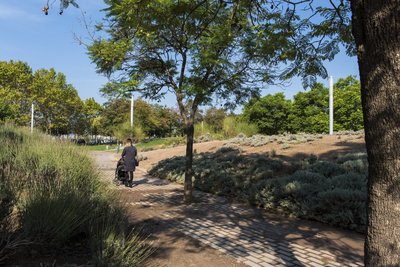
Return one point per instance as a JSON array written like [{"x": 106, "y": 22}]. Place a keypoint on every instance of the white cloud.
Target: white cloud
[{"x": 18, "y": 13}]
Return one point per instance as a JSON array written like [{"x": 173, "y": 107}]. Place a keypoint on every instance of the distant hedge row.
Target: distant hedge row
[{"x": 329, "y": 192}]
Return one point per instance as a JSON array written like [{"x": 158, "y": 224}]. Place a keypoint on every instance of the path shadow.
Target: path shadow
[
  {"x": 270, "y": 233},
  {"x": 273, "y": 233}
]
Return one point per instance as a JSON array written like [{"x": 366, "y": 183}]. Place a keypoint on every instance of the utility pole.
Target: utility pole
[
  {"x": 132, "y": 111},
  {"x": 32, "y": 115},
  {"x": 330, "y": 105}
]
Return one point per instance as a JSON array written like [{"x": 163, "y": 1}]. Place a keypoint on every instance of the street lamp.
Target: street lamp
[
  {"x": 132, "y": 111},
  {"x": 330, "y": 105},
  {"x": 32, "y": 116}
]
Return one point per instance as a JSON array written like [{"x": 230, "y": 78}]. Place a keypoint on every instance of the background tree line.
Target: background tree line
[
  {"x": 59, "y": 109},
  {"x": 308, "y": 111}
]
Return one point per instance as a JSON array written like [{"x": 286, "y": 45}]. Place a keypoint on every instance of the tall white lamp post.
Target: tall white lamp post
[
  {"x": 132, "y": 111},
  {"x": 32, "y": 116},
  {"x": 330, "y": 105}
]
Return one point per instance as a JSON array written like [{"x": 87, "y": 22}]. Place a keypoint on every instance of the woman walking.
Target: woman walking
[{"x": 129, "y": 155}]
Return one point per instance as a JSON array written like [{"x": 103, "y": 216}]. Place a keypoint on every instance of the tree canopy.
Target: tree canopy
[
  {"x": 204, "y": 50},
  {"x": 308, "y": 111},
  {"x": 58, "y": 106}
]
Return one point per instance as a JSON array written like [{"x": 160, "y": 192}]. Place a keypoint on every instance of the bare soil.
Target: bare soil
[{"x": 329, "y": 147}]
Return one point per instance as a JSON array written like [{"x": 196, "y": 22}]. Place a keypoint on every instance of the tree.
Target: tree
[
  {"x": 59, "y": 109},
  {"x": 376, "y": 29},
  {"x": 310, "y": 111},
  {"x": 92, "y": 111},
  {"x": 63, "y": 5},
  {"x": 15, "y": 92},
  {"x": 270, "y": 113},
  {"x": 169, "y": 122},
  {"x": 198, "y": 50},
  {"x": 214, "y": 117},
  {"x": 347, "y": 105},
  {"x": 115, "y": 113}
]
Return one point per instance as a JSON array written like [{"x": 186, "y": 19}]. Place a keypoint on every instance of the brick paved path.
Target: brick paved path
[{"x": 248, "y": 235}]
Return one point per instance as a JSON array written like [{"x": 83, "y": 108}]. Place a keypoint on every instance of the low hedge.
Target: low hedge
[{"x": 329, "y": 192}]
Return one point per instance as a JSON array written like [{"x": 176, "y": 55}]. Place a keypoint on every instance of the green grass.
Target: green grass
[{"x": 100, "y": 147}]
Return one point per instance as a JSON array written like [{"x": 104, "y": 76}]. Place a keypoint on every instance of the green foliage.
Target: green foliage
[
  {"x": 114, "y": 244},
  {"x": 15, "y": 92},
  {"x": 234, "y": 126},
  {"x": 149, "y": 120},
  {"x": 310, "y": 111},
  {"x": 214, "y": 117},
  {"x": 330, "y": 192},
  {"x": 347, "y": 104},
  {"x": 56, "y": 196},
  {"x": 58, "y": 108},
  {"x": 325, "y": 192},
  {"x": 92, "y": 116},
  {"x": 226, "y": 172},
  {"x": 270, "y": 113}
]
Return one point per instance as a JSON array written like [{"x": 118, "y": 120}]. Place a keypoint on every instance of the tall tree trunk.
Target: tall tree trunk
[
  {"x": 189, "y": 161},
  {"x": 376, "y": 28}
]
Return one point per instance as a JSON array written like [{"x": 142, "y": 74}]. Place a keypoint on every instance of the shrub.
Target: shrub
[
  {"x": 113, "y": 243},
  {"x": 234, "y": 126},
  {"x": 53, "y": 190},
  {"x": 330, "y": 192},
  {"x": 338, "y": 200},
  {"x": 226, "y": 172},
  {"x": 327, "y": 169}
]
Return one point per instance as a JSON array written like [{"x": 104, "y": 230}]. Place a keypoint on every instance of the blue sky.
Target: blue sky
[{"x": 48, "y": 41}]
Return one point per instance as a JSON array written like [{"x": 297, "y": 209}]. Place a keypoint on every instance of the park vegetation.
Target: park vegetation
[
  {"x": 313, "y": 33},
  {"x": 59, "y": 110},
  {"x": 53, "y": 202},
  {"x": 332, "y": 192}
]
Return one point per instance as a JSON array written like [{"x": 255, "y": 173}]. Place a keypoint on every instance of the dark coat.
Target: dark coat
[{"x": 129, "y": 154}]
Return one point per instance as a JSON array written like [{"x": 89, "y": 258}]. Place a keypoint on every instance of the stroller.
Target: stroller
[{"x": 121, "y": 176}]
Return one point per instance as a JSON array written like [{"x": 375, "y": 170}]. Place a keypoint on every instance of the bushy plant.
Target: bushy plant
[
  {"x": 226, "y": 172},
  {"x": 113, "y": 242},
  {"x": 55, "y": 193},
  {"x": 233, "y": 126},
  {"x": 330, "y": 192},
  {"x": 329, "y": 195}
]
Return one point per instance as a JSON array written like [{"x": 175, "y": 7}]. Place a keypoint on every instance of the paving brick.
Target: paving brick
[
  {"x": 269, "y": 260},
  {"x": 313, "y": 264},
  {"x": 302, "y": 259},
  {"x": 253, "y": 240},
  {"x": 251, "y": 264},
  {"x": 333, "y": 264},
  {"x": 316, "y": 261}
]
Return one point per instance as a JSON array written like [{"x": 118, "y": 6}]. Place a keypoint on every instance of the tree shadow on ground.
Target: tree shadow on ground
[
  {"x": 237, "y": 229},
  {"x": 242, "y": 231}
]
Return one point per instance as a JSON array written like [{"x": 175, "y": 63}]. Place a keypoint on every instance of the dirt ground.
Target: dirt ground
[
  {"x": 326, "y": 148},
  {"x": 178, "y": 250}
]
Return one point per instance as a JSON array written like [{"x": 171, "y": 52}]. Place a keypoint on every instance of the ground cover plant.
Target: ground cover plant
[
  {"x": 332, "y": 192},
  {"x": 52, "y": 198},
  {"x": 286, "y": 138}
]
